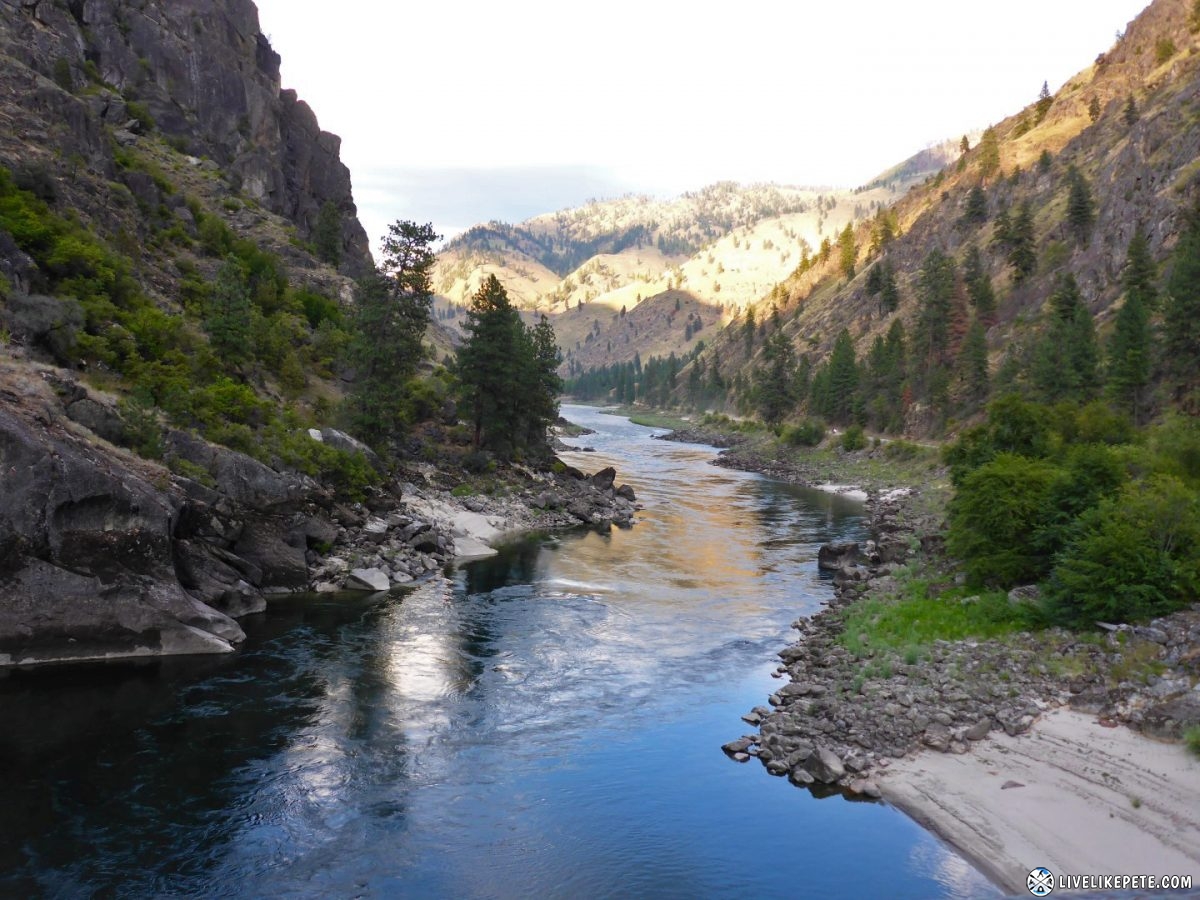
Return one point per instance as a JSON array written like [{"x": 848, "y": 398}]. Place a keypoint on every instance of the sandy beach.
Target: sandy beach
[{"x": 1072, "y": 795}]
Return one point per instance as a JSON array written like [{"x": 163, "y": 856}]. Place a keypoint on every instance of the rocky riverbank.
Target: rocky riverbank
[
  {"x": 842, "y": 716},
  {"x": 105, "y": 554}
]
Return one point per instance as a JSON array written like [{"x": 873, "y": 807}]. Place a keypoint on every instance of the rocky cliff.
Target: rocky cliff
[{"x": 75, "y": 74}]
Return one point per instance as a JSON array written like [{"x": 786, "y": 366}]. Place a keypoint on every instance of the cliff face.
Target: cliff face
[{"x": 205, "y": 74}]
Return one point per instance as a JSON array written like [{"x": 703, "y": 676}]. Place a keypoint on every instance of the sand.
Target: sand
[{"x": 1072, "y": 795}]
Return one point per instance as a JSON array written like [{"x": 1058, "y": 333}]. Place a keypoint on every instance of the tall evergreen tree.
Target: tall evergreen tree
[
  {"x": 847, "y": 250},
  {"x": 489, "y": 367},
  {"x": 936, "y": 285},
  {"x": 1140, "y": 273},
  {"x": 1022, "y": 244},
  {"x": 1181, "y": 310},
  {"x": 1044, "y": 102},
  {"x": 989, "y": 154},
  {"x": 775, "y": 381},
  {"x": 1094, "y": 108},
  {"x": 979, "y": 284},
  {"x": 391, "y": 314},
  {"x": 975, "y": 211},
  {"x": 327, "y": 234},
  {"x": 1081, "y": 207},
  {"x": 842, "y": 380},
  {"x": 229, "y": 314},
  {"x": 889, "y": 294},
  {"x": 973, "y": 363},
  {"x": 1066, "y": 359},
  {"x": 1130, "y": 345}
]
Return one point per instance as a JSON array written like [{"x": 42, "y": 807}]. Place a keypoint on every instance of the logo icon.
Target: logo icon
[{"x": 1040, "y": 882}]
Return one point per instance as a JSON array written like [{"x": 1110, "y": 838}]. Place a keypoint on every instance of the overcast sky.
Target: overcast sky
[{"x": 459, "y": 111}]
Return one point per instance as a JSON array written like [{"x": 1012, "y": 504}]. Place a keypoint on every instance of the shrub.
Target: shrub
[
  {"x": 1191, "y": 739},
  {"x": 808, "y": 433},
  {"x": 996, "y": 520},
  {"x": 140, "y": 112},
  {"x": 853, "y": 439},
  {"x": 1131, "y": 557}
]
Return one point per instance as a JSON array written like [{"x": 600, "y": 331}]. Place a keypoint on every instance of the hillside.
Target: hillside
[
  {"x": 724, "y": 246},
  {"x": 1115, "y": 147}
]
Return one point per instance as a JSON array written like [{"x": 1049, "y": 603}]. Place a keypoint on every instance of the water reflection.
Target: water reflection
[{"x": 543, "y": 722}]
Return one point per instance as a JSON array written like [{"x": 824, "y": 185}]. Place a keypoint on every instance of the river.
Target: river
[{"x": 546, "y": 723}]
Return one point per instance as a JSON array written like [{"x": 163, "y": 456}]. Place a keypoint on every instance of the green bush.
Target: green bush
[
  {"x": 853, "y": 439},
  {"x": 902, "y": 450},
  {"x": 808, "y": 433},
  {"x": 1191, "y": 739},
  {"x": 1131, "y": 557},
  {"x": 997, "y": 519}
]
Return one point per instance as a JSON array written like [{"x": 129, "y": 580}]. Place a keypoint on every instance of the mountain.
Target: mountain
[
  {"x": 178, "y": 239},
  {"x": 1115, "y": 147},
  {"x": 717, "y": 249}
]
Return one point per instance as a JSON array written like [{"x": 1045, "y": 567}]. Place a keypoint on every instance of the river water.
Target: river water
[{"x": 544, "y": 723}]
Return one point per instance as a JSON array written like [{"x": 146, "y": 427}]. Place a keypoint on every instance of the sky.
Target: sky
[{"x": 458, "y": 112}]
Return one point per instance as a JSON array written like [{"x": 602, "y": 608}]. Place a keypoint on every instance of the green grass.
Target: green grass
[
  {"x": 650, "y": 419},
  {"x": 1191, "y": 739},
  {"x": 914, "y": 619}
]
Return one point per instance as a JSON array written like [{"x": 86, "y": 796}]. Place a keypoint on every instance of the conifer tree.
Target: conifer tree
[
  {"x": 1181, "y": 309},
  {"x": 228, "y": 315},
  {"x": 973, "y": 363},
  {"x": 327, "y": 234},
  {"x": 989, "y": 154},
  {"x": 775, "y": 381},
  {"x": 1022, "y": 247},
  {"x": 391, "y": 314},
  {"x": 1140, "y": 271},
  {"x": 847, "y": 250},
  {"x": 1066, "y": 359},
  {"x": 842, "y": 379},
  {"x": 1094, "y": 108},
  {"x": 979, "y": 284},
  {"x": 936, "y": 286},
  {"x": 1081, "y": 208},
  {"x": 489, "y": 366},
  {"x": 875, "y": 280},
  {"x": 889, "y": 294},
  {"x": 1044, "y": 102},
  {"x": 1130, "y": 112},
  {"x": 975, "y": 212}
]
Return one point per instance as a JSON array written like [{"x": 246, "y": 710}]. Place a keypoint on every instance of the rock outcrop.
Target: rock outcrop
[{"x": 199, "y": 71}]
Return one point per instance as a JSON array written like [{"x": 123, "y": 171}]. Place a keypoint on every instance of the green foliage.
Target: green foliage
[
  {"x": 989, "y": 154},
  {"x": 1191, "y": 740},
  {"x": 1081, "y": 207},
  {"x": 1021, "y": 244},
  {"x": 1066, "y": 360},
  {"x": 996, "y": 517},
  {"x": 143, "y": 430},
  {"x": 228, "y": 316},
  {"x": 853, "y": 438},
  {"x": 979, "y": 284},
  {"x": 936, "y": 287},
  {"x": 1181, "y": 311},
  {"x": 808, "y": 433},
  {"x": 1130, "y": 113},
  {"x": 1094, "y": 109},
  {"x": 1013, "y": 426},
  {"x": 1130, "y": 345},
  {"x": 836, "y": 394},
  {"x": 1164, "y": 49},
  {"x": 318, "y": 308},
  {"x": 975, "y": 211},
  {"x": 62, "y": 74},
  {"x": 327, "y": 234},
  {"x": 1044, "y": 101},
  {"x": 506, "y": 374},
  {"x": 391, "y": 315},
  {"x": 774, "y": 382},
  {"x": 973, "y": 362},
  {"x": 1131, "y": 557},
  {"x": 141, "y": 113},
  {"x": 847, "y": 251}
]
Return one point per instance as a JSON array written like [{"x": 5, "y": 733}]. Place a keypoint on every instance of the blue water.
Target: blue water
[{"x": 544, "y": 723}]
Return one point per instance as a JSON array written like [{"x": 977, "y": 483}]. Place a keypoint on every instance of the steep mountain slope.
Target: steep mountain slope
[
  {"x": 724, "y": 246},
  {"x": 1137, "y": 162}
]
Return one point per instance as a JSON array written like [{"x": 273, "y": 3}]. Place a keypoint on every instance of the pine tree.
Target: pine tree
[
  {"x": 1181, "y": 310},
  {"x": 889, "y": 294},
  {"x": 979, "y": 284},
  {"x": 748, "y": 328},
  {"x": 842, "y": 383},
  {"x": 975, "y": 212},
  {"x": 489, "y": 366},
  {"x": 973, "y": 363},
  {"x": 1066, "y": 360},
  {"x": 1094, "y": 108},
  {"x": 936, "y": 294},
  {"x": 1081, "y": 208},
  {"x": 1140, "y": 271},
  {"x": 989, "y": 154},
  {"x": 875, "y": 280},
  {"x": 1130, "y": 112},
  {"x": 391, "y": 314},
  {"x": 774, "y": 382},
  {"x": 847, "y": 251},
  {"x": 1022, "y": 247},
  {"x": 1129, "y": 358},
  {"x": 1044, "y": 102},
  {"x": 229, "y": 314},
  {"x": 327, "y": 234}
]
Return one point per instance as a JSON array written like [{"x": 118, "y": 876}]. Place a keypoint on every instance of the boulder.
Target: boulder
[
  {"x": 282, "y": 564},
  {"x": 825, "y": 766},
  {"x": 1169, "y": 720},
  {"x": 367, "y": 580},
  {"x": 626, "y": 493},
  {"x": 603, "y": 480},
  {"x": 834, "y": 557}
]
